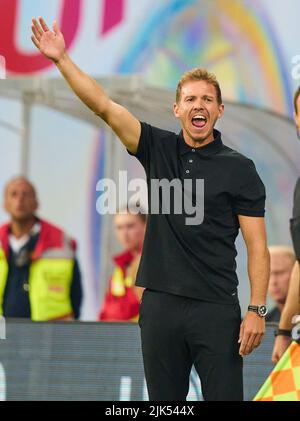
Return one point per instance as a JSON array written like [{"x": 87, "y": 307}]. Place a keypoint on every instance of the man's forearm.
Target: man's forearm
[
  {"x": 259, "y": 273},
  {"x": 85, "y": 87},
  {"x": 253, "y": 326}
]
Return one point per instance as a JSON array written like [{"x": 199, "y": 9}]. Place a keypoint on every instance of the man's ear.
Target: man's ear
[
  {"x": 297, "y": 120},
  {"x": 221, "y": 110},
  {"x": 176, "y": 110},
  {"x": 5, "y": 203},
  {"x": 36, "y": 205}
]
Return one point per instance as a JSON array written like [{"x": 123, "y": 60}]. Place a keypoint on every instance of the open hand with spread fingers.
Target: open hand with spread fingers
[{"x": 50, "y": 43}]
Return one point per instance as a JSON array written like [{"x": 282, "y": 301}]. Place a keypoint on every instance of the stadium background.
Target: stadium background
[
  {"x": 93, "y": 362},
  {"x": 246, "y": 43}
]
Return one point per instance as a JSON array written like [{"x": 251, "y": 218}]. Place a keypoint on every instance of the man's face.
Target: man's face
[
  {"x": 297, "y": 115},
  {"x": 130, "y": 230},
  {"x": 280, "y": 272},
  {"x": 20, "y": 200},
  {"x": 198, "y": 111}
]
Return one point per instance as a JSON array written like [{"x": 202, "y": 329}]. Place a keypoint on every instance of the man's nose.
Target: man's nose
[
  {"x": 199, "y": 105},
  {"x": 273, "y": 280},
  {"x": 20, "y": 197}
]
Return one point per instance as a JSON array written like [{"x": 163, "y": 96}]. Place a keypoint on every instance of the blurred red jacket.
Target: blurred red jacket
[{"x": 121, "y": 302}]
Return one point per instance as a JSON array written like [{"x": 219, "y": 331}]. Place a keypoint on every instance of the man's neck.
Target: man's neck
[{"x": 20, "y": 228}]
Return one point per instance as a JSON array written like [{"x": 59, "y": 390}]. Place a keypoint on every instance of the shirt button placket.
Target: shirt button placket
[{"x": 190, "y": 161}]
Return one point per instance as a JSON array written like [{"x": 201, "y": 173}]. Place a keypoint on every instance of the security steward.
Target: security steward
[{"x": 39, "y": 274}]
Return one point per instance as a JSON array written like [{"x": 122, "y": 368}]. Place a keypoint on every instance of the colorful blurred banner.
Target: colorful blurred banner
[
  {"x": 242, "y": 41},
  {"x": 283, "y": 384}
]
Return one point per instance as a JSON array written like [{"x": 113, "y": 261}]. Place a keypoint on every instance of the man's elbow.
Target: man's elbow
[{"x": 102, "y": 109}]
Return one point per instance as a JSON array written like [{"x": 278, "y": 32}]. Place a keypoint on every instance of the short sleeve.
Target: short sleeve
[
  {"x": 296, "y": 205},
  {"x": 143, "y": 152},
  {"x": 249, "y": 194}
]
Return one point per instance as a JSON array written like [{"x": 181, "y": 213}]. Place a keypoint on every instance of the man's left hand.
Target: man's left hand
[{"x": 251, "y": 333}]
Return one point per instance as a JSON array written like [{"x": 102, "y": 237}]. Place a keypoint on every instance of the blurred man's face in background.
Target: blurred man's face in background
[
  {"x": 281, "y": 266},
  {"x": 20, "y": 200},
  {"x": 130, "y": 230}
]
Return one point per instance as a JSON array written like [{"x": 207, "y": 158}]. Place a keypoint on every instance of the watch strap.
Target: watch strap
[
  {"x": 253, "y": 308},
  {"x": 256, "y": 309},
  {"x": 283, "y": 332}
]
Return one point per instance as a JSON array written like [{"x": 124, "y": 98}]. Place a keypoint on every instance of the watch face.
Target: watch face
[{"x": 262, "y": 311}]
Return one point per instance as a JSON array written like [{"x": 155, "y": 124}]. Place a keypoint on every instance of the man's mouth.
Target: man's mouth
[{"x": 199, "y": 121}]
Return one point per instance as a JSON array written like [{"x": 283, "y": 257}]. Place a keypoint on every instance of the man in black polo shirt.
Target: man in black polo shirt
[{"x": 190, "y": 312}]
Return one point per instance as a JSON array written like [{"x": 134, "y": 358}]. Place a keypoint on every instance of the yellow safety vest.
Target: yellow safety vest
[
  {"x": 119, "y": 283},
  {"x": 49, "y": 283}
]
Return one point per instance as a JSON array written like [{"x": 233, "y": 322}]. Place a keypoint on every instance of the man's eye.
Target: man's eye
[{"x": 208, "y": 99}]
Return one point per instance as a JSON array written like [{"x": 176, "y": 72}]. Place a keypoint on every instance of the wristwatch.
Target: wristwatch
[{"x": 262, "y": 311}]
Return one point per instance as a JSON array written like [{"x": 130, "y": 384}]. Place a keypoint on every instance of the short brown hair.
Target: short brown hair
[
  {"x": 199, "y": 74},
  {"x": 297, "y": 93}
]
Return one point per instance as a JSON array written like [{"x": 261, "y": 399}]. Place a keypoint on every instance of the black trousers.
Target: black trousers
[{"x": 177, "y": 332}]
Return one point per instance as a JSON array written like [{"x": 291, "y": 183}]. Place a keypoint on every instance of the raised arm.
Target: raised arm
[{"x": 52, "y": 45}]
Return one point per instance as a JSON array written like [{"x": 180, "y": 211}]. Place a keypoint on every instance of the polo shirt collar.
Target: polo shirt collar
[{"x": 211, "y": 148}]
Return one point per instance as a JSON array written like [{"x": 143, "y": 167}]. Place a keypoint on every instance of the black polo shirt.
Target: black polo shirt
[
  {"x": 196, "y": 261},
  {"x": 295, "y": 221}
]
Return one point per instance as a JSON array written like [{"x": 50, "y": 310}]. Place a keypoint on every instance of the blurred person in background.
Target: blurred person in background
[
  {"x": 39, "y": 273},
  {"x": 282, "y": 260},
  {"x": 292, "y": 306},
  {"x": 122, "y": 300}
]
